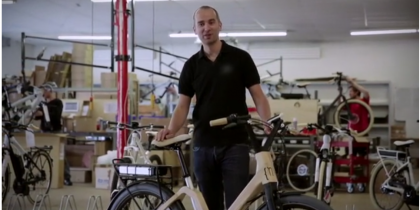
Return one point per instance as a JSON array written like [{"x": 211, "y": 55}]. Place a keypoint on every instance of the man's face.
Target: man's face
[
  {"x": 207, "y": 26},
  {"x": 47, "y": 94},
  {"x": 352, "y": 93}
]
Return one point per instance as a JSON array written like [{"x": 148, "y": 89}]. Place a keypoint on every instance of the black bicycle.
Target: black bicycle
[{"x": 25, "y": 165}]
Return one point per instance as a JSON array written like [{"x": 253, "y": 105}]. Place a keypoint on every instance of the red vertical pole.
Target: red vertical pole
[{"x": 122, "y": 59}]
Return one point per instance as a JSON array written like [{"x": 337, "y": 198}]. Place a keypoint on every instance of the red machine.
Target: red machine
[{"x": 351, "y": 178}]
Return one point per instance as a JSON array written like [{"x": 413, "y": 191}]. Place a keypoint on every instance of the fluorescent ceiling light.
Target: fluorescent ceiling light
[
  {"x": 85, "y": 37},
  {"x": 8, "y": 1},
  {"x": 382, "y": 32},
  {"x": 105, "y": 1},
  {"x": 233, "y": 34}
]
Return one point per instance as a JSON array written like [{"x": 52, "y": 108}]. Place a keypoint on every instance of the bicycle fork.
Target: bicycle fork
[{"x": 329, "y": 192}]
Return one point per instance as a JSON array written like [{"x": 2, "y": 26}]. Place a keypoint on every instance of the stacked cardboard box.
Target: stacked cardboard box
[
  {"x": 82, "y": 76},
  {"x": 398, "y": 131}
]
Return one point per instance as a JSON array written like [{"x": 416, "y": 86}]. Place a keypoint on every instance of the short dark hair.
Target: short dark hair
[{"x": 207, "y": 7}]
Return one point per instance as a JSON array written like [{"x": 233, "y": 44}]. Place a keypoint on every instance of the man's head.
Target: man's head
[
  {"x": 207, "y": 24},
  {"x": 47, "y": 93},
  {"x": 354, "y": 92}
]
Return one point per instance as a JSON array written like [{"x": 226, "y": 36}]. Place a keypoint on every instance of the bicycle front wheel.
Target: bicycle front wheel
[
  {"x": 123, "y": 200},
  {"x": 342, "y": 106},
  {"x": 300, "y": 162},
  {"x": 298, "y": 202}
]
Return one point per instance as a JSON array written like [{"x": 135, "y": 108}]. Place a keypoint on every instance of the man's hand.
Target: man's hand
[
  {"x": 267, "y": 130},
  {"x": 350, "y": 79},
  {"x": 38, "y": 113},
  {"x": 164, "y": 134}
]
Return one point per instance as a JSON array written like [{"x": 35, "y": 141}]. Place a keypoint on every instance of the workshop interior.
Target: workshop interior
[{"x": 341, "y": 79}]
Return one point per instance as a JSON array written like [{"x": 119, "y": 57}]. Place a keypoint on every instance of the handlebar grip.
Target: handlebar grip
[
  {"x": 218, "y": 122},
  {"x": 158, "y": 126}
]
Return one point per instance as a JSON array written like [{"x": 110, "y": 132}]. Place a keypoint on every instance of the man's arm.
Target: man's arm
[
  {"x": 180, "y": 113},
  {"x": 186, "y": 92},
  {"x": 261, "y": 102},
  {"x": 252, "y": 82},
  {"x": 363, "y": 90}
]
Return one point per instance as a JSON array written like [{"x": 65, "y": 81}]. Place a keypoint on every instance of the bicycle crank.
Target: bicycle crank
[{"x": 20, "y": 188}]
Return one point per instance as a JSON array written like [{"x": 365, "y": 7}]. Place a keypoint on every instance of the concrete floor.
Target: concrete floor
[{"x": 82, "y": 193}]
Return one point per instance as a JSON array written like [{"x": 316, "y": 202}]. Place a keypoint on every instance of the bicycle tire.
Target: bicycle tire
[
  {"x": 289, "y": 163},
  {"x": 6, "y": 183},
  {"x": 355, "y": 101},
  {"x": 49, "y": 163},
  {"x": 321, "y": 181},
  {"x": 373, "y": 175},
  {"x": 155, "y": 158},
  {"x": 137, "y": 189},
  {"x": 301, "y": 201}
]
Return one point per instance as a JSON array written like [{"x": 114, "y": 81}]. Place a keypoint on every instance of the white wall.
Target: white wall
[
  {"x": 390, "y": 60},
  {"x": 11, "y": 58},
  {"x": 395, "y": 61}
]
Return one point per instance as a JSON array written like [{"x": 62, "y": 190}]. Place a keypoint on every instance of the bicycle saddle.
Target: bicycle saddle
[
  {"x": 286, "y": 123},
  {"x": 302, "y": 85},
  {"x": 152, "y": 133},
  {"x": 404, "y": 143},
  {"x": 168, "y": 142}
]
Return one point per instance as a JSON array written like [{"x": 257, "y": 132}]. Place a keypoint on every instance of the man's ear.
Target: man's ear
[{"x": 194, "y": 30}]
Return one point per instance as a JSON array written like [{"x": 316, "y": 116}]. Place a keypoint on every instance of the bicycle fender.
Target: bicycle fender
[{"x": 286, "y": 194}]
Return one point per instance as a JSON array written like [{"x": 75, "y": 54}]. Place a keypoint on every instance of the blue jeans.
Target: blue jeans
[{"x": 222, "y": 173}]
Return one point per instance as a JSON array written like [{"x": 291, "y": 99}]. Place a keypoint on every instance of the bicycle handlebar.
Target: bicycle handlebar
[
  {"x": 234, "y": 120},
  {"x": 12, "y": 126},
  {"x": 133, "y": 126},
  {"x": 230, "y": 119}
]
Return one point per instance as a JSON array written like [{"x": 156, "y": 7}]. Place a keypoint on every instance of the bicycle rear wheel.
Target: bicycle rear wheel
[
  {"x": 302, "y": 158},
  {"x": 377, "y": 177},
  {"x": 143, "y": 191},
  {"x": 298, "y": 202},
  {"x": 34, "y": 173}
]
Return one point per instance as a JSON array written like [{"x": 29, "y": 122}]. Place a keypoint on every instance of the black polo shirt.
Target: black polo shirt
[{"x": 220, "y": 89}]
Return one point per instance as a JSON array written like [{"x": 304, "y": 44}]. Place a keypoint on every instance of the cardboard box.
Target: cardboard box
[
  {"x": 81, "y": 175},
  {"x": 103, "y": 176},
  {"x": 398, "y": 131}
]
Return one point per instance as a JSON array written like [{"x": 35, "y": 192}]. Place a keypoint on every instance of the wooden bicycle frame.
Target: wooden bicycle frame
[{"x": 265, "y": 174}]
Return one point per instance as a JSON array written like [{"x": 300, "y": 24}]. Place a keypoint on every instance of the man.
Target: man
[
  {"x": 55, "y": 109},
  {"x": 361, "y": 121},
  {"x": 218, "y": 75}
]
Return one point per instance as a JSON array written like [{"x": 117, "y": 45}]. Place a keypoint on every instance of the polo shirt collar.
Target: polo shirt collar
[{"x": 225, "y": 49}]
